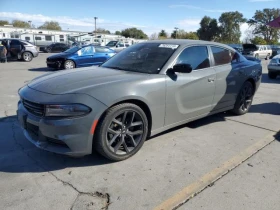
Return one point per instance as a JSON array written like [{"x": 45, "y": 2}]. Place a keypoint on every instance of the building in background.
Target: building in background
[{"x": 43, "y": 37}]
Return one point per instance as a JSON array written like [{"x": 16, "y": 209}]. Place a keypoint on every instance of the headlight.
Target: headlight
[{"x": 70, "y": 110}]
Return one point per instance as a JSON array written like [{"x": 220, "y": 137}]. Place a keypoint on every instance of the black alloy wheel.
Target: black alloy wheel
[
  {"x": 244, "y": 99},
  {"x": 122, "y": 132}
]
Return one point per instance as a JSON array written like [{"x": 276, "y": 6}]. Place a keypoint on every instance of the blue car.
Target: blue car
[{"x": 76, "y": 57}]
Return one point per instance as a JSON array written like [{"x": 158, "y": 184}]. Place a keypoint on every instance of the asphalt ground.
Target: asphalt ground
[{"x": 219, "y": 162}]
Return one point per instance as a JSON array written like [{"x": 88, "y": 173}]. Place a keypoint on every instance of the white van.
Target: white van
[{"x": 257, "y": 51}]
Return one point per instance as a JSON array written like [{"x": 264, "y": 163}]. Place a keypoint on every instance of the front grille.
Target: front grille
[{"x": 34, "y": 108}]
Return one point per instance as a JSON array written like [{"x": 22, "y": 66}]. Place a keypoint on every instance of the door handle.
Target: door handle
[{"x": 211, "y": 79}]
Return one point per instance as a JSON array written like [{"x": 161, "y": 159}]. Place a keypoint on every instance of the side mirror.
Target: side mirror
[
  {"x": 182, "y": 68},
  {"x": 117, "y": 46}
]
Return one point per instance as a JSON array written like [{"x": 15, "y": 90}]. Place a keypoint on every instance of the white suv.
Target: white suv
[{"x": 257, "y": 51}]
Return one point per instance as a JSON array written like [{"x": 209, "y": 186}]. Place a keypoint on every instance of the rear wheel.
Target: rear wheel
[
  {"x": 68, "y": 64},
  {"x": 272, "y": 75},
  {"x": 27, "y": 56},
  {"x": 122, "y": 132},
  {"x": 244, "y": 99}
]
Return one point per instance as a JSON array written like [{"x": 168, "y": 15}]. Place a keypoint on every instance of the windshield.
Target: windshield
[
  {"x": 72, "y": 50},
  {"x": 111, "y": 43},
  {"x": 144, "y": 58}
]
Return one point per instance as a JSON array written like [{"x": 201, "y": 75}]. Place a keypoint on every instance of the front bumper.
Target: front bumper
[
  {"x": 54, "y": 64},
  {"x": 68, "y": 136}
]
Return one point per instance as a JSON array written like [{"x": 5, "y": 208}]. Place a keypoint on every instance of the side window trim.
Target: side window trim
[{"x": 197, "y": 45}]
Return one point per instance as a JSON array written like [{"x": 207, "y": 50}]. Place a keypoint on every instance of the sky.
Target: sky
[{"x": 148, "y": 15}]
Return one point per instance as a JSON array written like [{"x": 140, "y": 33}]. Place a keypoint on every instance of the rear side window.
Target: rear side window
[
  {"x": 196, "y": 56},
  {"x": 221, "y": 56}
]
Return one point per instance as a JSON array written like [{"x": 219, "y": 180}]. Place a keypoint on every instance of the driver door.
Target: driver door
[
  {"x": 190, "y": 95},
  {"x": 84, "y": 56}
]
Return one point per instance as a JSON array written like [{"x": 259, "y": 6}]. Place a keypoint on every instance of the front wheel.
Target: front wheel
[
  {"x": 69, "y": 64},
  {"x": 244, "y": 99},
  {"x": 27, "y": 56},
  {"x": 122, "y": 132}
]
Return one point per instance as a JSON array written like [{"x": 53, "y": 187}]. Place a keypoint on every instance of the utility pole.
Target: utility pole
[
  {"x": 176, "y": 32},
  {"x": 30, "y": 23},
  {"x": 95, "y": 18}
]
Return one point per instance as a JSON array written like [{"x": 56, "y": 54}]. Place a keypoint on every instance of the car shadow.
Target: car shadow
[
  {"x": 41, "y": 69},
  {"x": 266, "y": 79}
]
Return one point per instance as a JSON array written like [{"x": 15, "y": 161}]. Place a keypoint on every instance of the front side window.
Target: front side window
[
  {"x": 221, "y": 56},
  {"x": 121, "y": 45},
  {"x": 85, "y": 51},
  {"x": 144, "y": 58},
  {"x": 101, "y": 50},
  {"x": 196, "y": 56}
]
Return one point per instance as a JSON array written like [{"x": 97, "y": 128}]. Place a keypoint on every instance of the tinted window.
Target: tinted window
[
  {"x": 15, "y": 42},
  {"x": 27, "y": 38},
  {"x": 221, "y": 56},
  {"x": 86, "y": 51},
  {"x": 197, "y": 57},
  {"x": 38, "y": 38},
  {"x": 48, "y": 38},
  {"x": 121, "y": 45}
]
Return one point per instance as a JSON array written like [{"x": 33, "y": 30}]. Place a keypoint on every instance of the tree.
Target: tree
[
  {"x": 134, "y": 33},
  {"x": 102, "y": 31},
  {"x": 4, "y": 22},
  {"x": 20, "y": 24},
  {"x": 260, "y": 20},
  {"x": 162, "y": 34},
  {"x": 154, "y": 36},
  {"x": 118, "y": 33},
  {"x": 258, "y": 40},
  {"x": 50, "y": 25},
  {"x": 191, "y": 35},
  {"x": 230, "y": 27},
  {"x": 209, "y": 29},
  {"x": 249, "y": 35}
]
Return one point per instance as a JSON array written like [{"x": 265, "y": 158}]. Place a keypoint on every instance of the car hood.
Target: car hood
[
  {"x": 83, "y": 80},
  {"x": 59, "y": 55}
]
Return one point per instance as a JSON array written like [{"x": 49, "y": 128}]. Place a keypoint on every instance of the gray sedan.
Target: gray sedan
[{"x": 144, "y": 90}]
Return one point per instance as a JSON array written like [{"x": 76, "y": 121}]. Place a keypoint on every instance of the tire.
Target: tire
[
  {"x": 68, "y": 64},
  {"x": 113, "y": 134},
  {"x": 272, "y": 75},
  {"x": 244, "y": 99},
  {"x": 27, "y": 56},
  {"x": 48, "y": 50}
]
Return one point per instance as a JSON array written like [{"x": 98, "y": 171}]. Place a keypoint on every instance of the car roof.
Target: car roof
[{"x": 186, "y": 42}]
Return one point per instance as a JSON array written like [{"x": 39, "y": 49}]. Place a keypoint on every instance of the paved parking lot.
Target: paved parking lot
[{"x": 220, "y": 162}]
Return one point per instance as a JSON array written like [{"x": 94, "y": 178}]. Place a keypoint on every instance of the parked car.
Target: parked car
[
  {"x": 237, "y": 47},
  {"x": 80, "y": 57},
  {"x": 275, "y": 51},
  {"x": 274, "y": 67},
  {"x": 55, "y": 47},
  {"x": 144, "y": 90},
  {"x": 20, "y": 49},
  {"x": 257, "y": 51},
  {"x": 116, "y": 45}
]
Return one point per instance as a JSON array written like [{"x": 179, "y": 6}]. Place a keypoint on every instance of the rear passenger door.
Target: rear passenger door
[
  {"x": 189, "y": 95},
  {"x": 228, "y": 77},
  {"x": 15, "y": 48}
]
